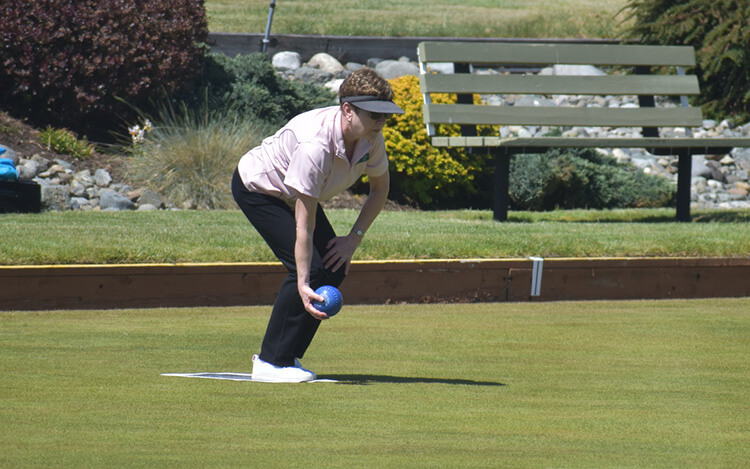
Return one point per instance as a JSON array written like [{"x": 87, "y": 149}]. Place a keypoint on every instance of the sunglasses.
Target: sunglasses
[{"x": 376, "y": 116}]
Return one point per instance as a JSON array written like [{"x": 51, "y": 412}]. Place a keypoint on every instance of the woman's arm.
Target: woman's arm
[
  {"x": 374, "y": 204},
  {"x": 341, "y": 249},
  {"x": 305, "y": 209}
]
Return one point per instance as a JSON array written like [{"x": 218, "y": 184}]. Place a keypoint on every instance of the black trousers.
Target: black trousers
[{"x": 291, "y": 328}]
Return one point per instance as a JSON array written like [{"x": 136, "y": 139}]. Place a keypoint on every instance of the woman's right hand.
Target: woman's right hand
[{"x": 308, "y": 295}]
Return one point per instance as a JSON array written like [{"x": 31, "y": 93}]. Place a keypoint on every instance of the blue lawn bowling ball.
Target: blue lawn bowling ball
[{"x": 333, "y": 300}]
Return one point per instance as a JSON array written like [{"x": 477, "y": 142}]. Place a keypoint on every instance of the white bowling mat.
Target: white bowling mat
[{"x": 234, "y": 377}]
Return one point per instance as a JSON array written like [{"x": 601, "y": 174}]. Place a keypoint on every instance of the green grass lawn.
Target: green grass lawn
[
  {"x": 226, "y": 236},
  {"x": 594, "y": 384},
  {"x": 450, "y": 18}
]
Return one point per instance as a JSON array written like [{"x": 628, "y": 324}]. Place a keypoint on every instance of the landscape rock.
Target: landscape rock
[
  {"x": 85, "y": 178},
  {"x": 150, "y": 197},
  {"x": 28, "y": 169},
  {"x": 78, "y": 203},
  {"x": 112, "y": 200},
  {"x": 286, "y": 61},
  {"x": 55, "y": 197},
  {"x": 390, "y": 69},
  {"x": 147, "y": 208},
  {"x": 64, "y": 178},
  {"x": 715, "y": 169},
  {"x": 42, "y": 162},
  {"x": 122, "y": 188},
  {"x": 334, "y": 85},
  {"x": 52, "y": 171},
  {"x": 77, "y": 189},
  {"x": 326, "y": 63},
  {"x": 67, "y": 166},
  {"x": 312, "y": 75},
  {"x": 353, "y": 66},
  {"x": 102, "y": 178}
]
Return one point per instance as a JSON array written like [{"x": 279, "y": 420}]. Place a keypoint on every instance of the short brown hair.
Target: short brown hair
[{"x": 366, "y": 82}]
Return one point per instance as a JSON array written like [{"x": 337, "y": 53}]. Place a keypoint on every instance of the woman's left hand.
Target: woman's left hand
[{"x": 340, "y": 252}]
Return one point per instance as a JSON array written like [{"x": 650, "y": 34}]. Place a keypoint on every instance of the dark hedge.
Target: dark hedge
[{"x": 72, "y": 63}]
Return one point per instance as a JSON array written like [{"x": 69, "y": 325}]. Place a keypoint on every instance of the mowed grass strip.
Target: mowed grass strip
[
  {"x": 226, "y": 236},
  {"x": 449, "y": 18},
  {"x": 596, "y": 384}
]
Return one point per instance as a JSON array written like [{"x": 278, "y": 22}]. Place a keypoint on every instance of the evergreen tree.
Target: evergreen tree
[{"x": 719, "y": 30}]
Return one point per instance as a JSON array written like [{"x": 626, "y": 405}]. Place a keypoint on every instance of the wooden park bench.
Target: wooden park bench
[{"x": 629, "y": 73}]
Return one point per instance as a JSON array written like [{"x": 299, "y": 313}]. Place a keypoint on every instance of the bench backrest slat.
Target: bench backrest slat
[
  {"x": 626, "y": 72},
  {"x": 468, "y": 114},
  {"x": 667, "y": 85},
  {"x": 532, "y": 54}
]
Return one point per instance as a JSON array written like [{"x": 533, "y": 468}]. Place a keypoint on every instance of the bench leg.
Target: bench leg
[
  {"x": 684, "y": 178},
  {"x": 501, "y": 198}
]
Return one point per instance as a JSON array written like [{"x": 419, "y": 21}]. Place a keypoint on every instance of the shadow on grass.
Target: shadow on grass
[
  {"x": 362, "y": 380},
  {"x": 722, "y": 216}
]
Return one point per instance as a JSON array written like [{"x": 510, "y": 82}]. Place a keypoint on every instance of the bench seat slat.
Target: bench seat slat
[
  {"x": 664, "y": 85},
  {"x": 469, "y": 114},
  {"x": 709, "y": 145},
  {"x": 547, "y": 54}
]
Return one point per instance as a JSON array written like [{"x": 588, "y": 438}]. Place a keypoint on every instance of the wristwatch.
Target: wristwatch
[{"x": 359, "y": 233}]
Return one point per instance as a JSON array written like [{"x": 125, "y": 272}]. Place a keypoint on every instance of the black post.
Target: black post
[
  {"x": 684, "y": 177},
  {"x": 646, "y": 101},
  {"x": 465, "y": 98},
  {"x": 501, "y": 198},
  {"x": 267, "y": 37}
]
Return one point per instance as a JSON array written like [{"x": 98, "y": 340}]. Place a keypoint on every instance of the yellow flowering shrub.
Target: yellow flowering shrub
[{"x": 430, "y": 176}]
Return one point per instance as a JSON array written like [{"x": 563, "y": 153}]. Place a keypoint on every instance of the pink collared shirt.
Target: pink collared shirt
[{"x": 308, "y": 156}]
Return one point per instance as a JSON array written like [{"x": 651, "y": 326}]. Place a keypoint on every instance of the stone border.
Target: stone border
[
  {"x": 418, "y": 281},
  {"x": 347, "y": 48}
]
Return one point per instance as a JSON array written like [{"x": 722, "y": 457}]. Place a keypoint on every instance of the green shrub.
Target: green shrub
[
  {"x": 189, "y": 158},
  {"x": 248, "y": 86},
  {"x": 583, "y": 179},
  {"x": 719, "y": 30},
  {"x": 65, "y": 62},
  {"x": 430, "y": 176},
  {"x": 64, "y": 141}
]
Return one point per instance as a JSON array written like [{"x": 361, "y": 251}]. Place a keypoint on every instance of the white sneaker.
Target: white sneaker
[
  {"x": 297, "y": 364},
  {"x": 264, "y": 371}
]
